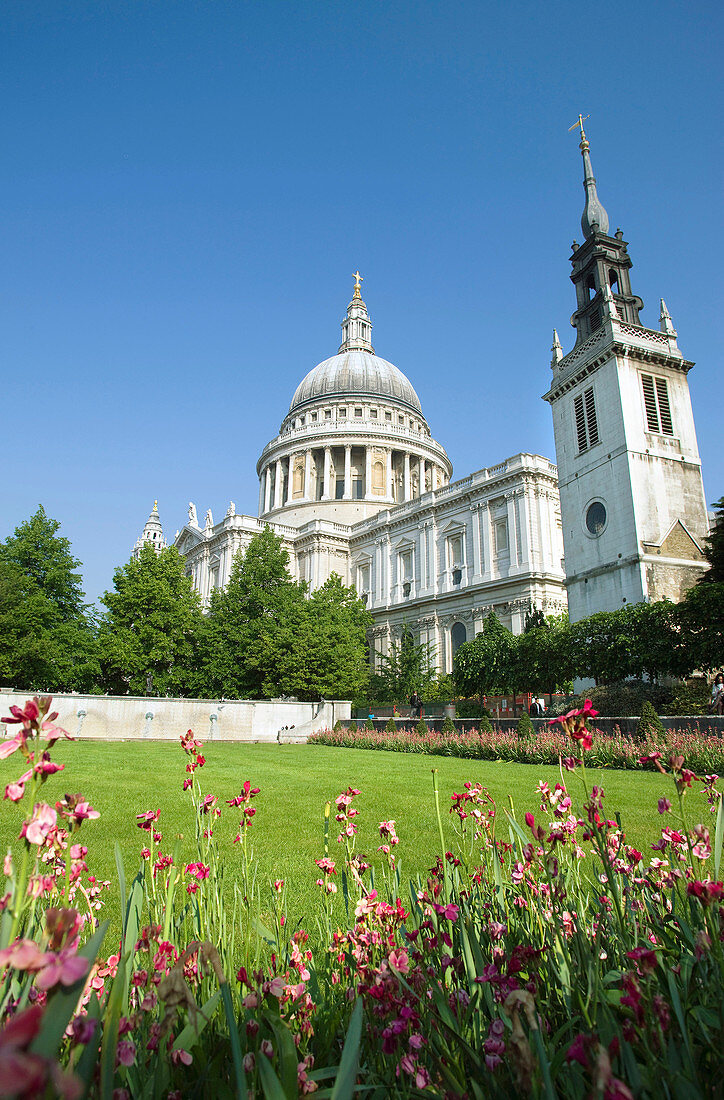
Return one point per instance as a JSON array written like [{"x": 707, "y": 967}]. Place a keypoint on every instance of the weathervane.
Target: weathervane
[{"x": 579, "y": 124}]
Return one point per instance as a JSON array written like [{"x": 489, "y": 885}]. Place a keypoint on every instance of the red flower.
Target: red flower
[
  {"x": 145, "y": 821},
  {"x": 21, "y": 1073}
]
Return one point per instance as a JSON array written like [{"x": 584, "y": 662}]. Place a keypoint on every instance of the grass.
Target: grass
[{"x": 124, "y": 779}]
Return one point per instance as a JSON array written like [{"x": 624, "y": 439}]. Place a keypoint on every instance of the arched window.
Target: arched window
[
  {"x": 591, "y": 286},
  {"x": 458, "y": 635},
  {"x": 613, "y": 280}
]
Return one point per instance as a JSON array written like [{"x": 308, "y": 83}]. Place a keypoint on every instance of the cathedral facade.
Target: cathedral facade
[{"x": 355, "y": 484}]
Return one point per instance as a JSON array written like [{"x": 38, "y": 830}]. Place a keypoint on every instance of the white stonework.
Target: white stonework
[
  {"x": 354, "y": 484},
  {"x": 152, "y": 533},
  {"x": 632, "y": 497}
]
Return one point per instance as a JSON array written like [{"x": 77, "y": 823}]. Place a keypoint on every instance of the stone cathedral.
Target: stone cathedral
[{"x": 355, "y": 484}]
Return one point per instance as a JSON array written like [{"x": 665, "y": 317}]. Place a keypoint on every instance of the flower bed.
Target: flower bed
[
  {"x": 543, "y": 956},
  {"x": 704, "y": 751}
]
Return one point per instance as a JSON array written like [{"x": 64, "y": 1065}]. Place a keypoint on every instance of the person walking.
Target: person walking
[
  {"x": 717, "y": 695},
  {"x": 416, "y": 705}
]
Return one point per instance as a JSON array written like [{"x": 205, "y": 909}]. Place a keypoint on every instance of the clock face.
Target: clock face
[{"x": 595, "y": 518}]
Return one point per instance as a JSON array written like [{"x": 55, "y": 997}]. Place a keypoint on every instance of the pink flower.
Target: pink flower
[
  {"x": 664, "y": 805},
  {"x": 28, "y": 715},
  {"x": 66, "y": 967},
  {"x": 7, "y": 748},
  {"x": 43, "y": 820},
  {"x": 146, "y": 820},
  {"x": 449, "y": 912},
  {"x": 399, "y": 962},
  {"x": 15, "y": 791},
  {"x": 23, "y": 955},
  {"x": 181, "y": 1056}
]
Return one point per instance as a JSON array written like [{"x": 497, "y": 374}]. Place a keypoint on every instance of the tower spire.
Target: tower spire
[
  {"x": 356, "y": 327},
  {"x": 594, "y": 217}
]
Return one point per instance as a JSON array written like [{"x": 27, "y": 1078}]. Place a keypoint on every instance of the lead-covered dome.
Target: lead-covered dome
[{"x": 356, "y": 373}]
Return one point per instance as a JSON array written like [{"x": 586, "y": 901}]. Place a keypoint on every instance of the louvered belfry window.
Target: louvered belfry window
[
  {"x": 656, "y": 404},
  {"x": 584, "y": 408}
]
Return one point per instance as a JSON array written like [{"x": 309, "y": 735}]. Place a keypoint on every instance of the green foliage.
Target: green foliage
[
  {"x": 151, "y": 626},
  {"x": 369, "y": 724},
  {"x": 689, "y": 697},
  {"x": 714, "y": 549},
  {"x": 338, "y": 725},
  {"x": 635, "y": 641},
  {"x": 485, "y": 665},
  {"x": 649, "y": 727},
  {"x": 407, "y": 667},
  {"x": 701, "y": 619},
  {"x": 263, "y": 637},
  {"x": 391, "y": 726},
  {"x": 484, "y": 724},
  {"x": 624, "y": 698},
  {"x": 47, "y": 635},
  {"x": 544, "y": 654},
  {"x": 470, "y": 708},
  {"x": 448, "y": 726},
  {"x": 524, "y": 728},
  {"x": 352, "y": 727},
  {"x": 421, "y": 728}
]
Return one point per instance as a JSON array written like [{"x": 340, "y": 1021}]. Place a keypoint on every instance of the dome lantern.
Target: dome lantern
[{"x": 357, "y": 327}]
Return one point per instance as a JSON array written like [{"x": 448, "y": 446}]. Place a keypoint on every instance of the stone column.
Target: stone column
[
  {"x": 512, "y": 531},
  {"x": 348, "y": 472},
  {"x": 477, "y": 562},
  {"x": 327, "y": 472},
  {"x": 434, "y": 477},
  {"x": 407, "y": 483},
  {"x": 525, "y": 528},
  {"x": 261, "y": 494},
  {"x": 422, "y": 475},
  {"x": 278, "y": 481},
  {"x": 368, "y": 473},
  {"x": 267, "y": 490},
  {"x": 390, "y": 475},
  {"x": 308, "y": 492}
]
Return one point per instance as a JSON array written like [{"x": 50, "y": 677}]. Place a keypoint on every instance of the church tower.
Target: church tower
[
  {"x": 152, "y": 533},
  {"x": 632, "y": 498}
]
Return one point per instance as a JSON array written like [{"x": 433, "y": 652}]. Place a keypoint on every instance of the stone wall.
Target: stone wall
[{"x": 135, "y": 718}]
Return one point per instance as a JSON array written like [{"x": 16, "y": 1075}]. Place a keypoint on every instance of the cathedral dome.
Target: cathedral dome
[{"x": 356, "y": 373}]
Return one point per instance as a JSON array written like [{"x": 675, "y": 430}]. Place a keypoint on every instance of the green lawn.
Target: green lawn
[{"x": 122, "y": 780}]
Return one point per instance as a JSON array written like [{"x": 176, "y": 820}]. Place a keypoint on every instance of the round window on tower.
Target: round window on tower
[{"x": 596, "y": 518}]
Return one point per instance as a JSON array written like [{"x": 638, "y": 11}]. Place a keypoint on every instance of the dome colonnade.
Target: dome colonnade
[{"x": 354, "y": 438}]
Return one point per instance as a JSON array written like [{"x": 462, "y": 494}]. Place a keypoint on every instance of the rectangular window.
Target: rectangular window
[
  {"x": 339, "y": 489},
  {"x": 388, "y": 416},
  {"x": 373, "y": 413},
  {"x": 584, "y": 409},
  {"x": 501, "y": 537},
  {"x": 357, "y": 412},
  {"x": 342, "y": 412},
  {"x": 656, "y": 404}
]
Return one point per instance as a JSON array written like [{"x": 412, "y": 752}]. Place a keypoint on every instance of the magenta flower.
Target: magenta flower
[
  {"x": 22, "y": 1073},
  {"x": 146, "y": 820},
  {"x": 75, "y": 809},
  {"x": 664, "y": 806}
]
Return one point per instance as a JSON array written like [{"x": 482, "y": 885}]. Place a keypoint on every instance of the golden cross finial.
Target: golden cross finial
[
  {"x": 579, "y": 124},
  {"x": 357, "y": 280},
  {"x": 155, "y": 505}
]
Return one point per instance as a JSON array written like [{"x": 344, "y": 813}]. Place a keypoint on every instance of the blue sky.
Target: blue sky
[{"x": 186, "y": 188}]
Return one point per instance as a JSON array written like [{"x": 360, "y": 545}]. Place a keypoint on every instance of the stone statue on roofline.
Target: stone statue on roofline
[{"x": 193, "y": 518}]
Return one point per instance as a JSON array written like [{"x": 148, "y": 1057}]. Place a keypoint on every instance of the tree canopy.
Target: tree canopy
[
  {"x": 47, "y": 639},
  {"x": 151, "y": 626}
]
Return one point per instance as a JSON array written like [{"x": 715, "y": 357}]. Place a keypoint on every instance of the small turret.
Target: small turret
[
  {"x": 556, "y": 350},
  {"x": 665, "y": 323},
  {"x": 152, "y": 533},
  {"x": 356, "y": 327}
]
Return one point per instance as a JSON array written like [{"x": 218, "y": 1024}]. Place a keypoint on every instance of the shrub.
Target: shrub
[
  {"x": 369, "y": 724},
  {"x": 421, "y": 728},
  {"x": 352, "y": 727},
  {"x": 470, "y": 708},
  {"x": 689, "y": 697},
  {"x": 620, "y": 700},
  {"x": 524, "y": 729},
  {"x": 649, "y": 726},
  {"x": 484, "y": 725},
  {"x": 391, "y": 726},
  {"x": 448, "y": 726},
  {"x": 338, "y": 726}
]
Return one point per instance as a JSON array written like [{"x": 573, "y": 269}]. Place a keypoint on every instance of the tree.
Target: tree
[
  {"x": 151, "y": 627},
  {"x": 634, "y": 641},
  {"x": 407, "y": 666},
  {"x": 714, "y": 549},
  {"x": 700, "y": 617},
  {"x": 253, "y": 624},
  {"x": 544, "y": 654},
  {"x": 47, "y": 635},
  {"x": 486, "y": 665},
  {"x": 264, "y": 637}
]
